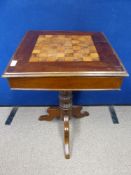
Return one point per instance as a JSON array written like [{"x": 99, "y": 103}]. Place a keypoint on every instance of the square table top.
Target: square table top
[{"x": 59, "y": 53}]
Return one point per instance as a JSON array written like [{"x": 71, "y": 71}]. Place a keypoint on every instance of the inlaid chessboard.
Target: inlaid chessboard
[
  {"x": 48, "y": 54},
  {"x": 53, "y": 48}
]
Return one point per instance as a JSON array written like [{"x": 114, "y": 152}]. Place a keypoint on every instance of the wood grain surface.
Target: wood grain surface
[
  {"x": 66, "y": 83},
  {"x": 64, "y": 48}
]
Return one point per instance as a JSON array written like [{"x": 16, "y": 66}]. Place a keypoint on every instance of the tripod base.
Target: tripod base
[
  {"x": 65, "y": 111},
  {"x": 54, "y": 112}
]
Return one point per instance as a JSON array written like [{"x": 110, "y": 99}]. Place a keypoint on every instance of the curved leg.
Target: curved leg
[
  {"x": 53, "y": 112},
  {"x": 77, "y": 113},
  {"x": 66, "y": 137}
]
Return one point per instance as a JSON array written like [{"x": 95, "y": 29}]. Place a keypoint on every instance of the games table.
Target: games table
[{"x": 66, "y": 62}]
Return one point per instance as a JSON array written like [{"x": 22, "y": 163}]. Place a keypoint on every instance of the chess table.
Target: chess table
[{"x": 66, "y": 62}]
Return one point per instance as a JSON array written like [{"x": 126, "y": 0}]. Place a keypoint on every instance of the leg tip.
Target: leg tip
[{"x": 67, "y": 156}]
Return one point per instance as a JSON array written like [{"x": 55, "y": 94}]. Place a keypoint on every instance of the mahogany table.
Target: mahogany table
[{"x": 65, "y": 61}]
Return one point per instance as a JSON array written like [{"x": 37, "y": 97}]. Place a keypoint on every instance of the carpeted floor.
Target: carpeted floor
[{"x": 98, "y": 147}]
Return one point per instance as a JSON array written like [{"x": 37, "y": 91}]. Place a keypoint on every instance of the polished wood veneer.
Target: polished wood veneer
[{"x": 66, "y": 83}]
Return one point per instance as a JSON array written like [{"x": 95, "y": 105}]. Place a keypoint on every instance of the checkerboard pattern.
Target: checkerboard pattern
[{"x": 52, "y": 48}]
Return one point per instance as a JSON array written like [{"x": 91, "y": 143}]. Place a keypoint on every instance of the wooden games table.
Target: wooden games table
[{"x": 66, "y": 62}]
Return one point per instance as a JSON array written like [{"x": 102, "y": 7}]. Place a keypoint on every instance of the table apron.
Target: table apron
[{"x": 65, "y": 83}]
